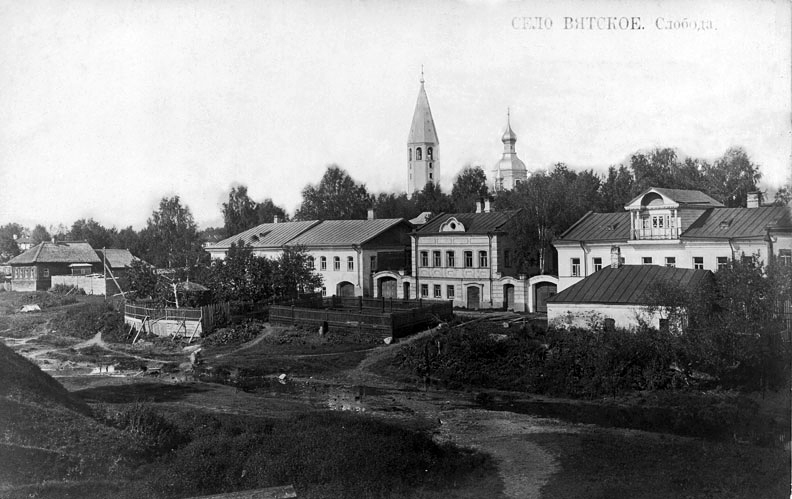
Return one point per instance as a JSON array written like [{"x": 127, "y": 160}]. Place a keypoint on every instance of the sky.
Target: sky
[{"x": 108, "y": 106}]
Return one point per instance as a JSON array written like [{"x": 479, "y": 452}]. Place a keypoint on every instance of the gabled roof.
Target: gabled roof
[
  {"x": 116, "y": 258},
  {"x": 346, "y": 232},
  {"x": 475, "y": 223},
  {"x": 60, "y": 252},
  {"x": 599, "y": 227},
  {"x": 681, "y": 197},
  {"x": 740, "y": 222},
  {"x": 272, "y": 235},
  {"x": 422, "y": 129},
  {"x": 627, "y": 285}
]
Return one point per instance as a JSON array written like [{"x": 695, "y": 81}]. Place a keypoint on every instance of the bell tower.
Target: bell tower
[{"x": 422, "y": 146}]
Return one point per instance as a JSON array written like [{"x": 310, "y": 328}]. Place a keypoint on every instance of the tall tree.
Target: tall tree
[
  {"x": 469, "y": 186},
  {"x": 336, "y": 197},
  {"x": 294, "y": 275},
  {"x": 239, "y": 213},
  {"x": 732, "y": 177},
  {"x": 39, "y": 234},
  {"x": 432, "y": 199},
  {"x": 93, "y": 232},
  {"x": 171, "y": 235},
  {"x": 8, "y": 236},
  {"x": 390, "y": 205},
  {"x": 267, "y": 210}
]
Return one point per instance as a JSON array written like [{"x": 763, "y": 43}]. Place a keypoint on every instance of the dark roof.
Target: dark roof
[
  {"x": 739, "y": 222},
  {"x": 60, "y": 252},
  {"x": 116, "y": 258},
  {"x": 627, "y": 284},
  {"x": 346, "y": 232},
  {"x": 600, "y": 227},
  {"x": 270, "y": 235},
  {"x": 682, "y": 196},
  {"x": 475, "y": 223}
]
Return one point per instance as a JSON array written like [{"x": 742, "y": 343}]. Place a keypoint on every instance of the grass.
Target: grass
[{"x": 600, "y": 465}]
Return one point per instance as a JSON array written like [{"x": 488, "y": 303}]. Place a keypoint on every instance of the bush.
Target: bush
[
  {"x": 65, "y": 289},
  {"x": 233, "y": 335},
  {"x": 85, "y": 321}
]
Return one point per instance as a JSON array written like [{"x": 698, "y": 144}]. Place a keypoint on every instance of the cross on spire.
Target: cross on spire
[{"x": 422, "y": 75}]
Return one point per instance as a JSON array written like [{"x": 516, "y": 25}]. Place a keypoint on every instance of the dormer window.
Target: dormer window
[
  {"x": 452, "y": 225},
  {"x": 725, "y": 224}
]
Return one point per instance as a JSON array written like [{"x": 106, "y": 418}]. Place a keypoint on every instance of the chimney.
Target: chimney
[
  {"x": 275, "y": 219},
  {"x": 754, "y": 199},
  {"x": 615, "y": 257},
  {"x": 478, "y": 207},
  {"x": 371, "y": 214},
  {"x": 487, "y": 207}
]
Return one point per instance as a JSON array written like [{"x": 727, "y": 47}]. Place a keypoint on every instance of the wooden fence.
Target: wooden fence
[
  {"x": 367, "y": 315},
  {"x": 165, "y": 321}
]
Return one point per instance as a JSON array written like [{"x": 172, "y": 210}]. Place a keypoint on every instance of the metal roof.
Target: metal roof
[
  {"x": 600, "y": 227},
  {"x": 739, "y": 222},
  {"x": 346, "y": 232},
  {"x": 116, "y": 258},
  {"x": 422, "y": 129},
  {"x": 271, "y": 235},
  {"x": 475, "y": 223},
  {"x": 627, "y": 284},
  {"x": 60, "y": 252},
  {"x": 681, "y": 196},
  {"x": 713, "y": 223}
]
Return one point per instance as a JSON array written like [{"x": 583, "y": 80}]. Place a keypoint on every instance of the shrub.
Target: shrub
[{"x": 87, "y": 320}]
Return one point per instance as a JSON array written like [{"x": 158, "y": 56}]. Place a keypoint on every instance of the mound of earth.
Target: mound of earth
[{"x": 24, "y": 382}]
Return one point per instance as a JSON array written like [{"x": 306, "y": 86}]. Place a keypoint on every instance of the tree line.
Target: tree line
[{"x": 551, "y": 201}]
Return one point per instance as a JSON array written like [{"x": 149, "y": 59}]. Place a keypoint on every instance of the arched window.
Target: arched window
[
  {"x": 409, "y": 154},
  {"x": 429, "y": 153},
  {"x": 311, "y": 262},
  {"x": 418, "y": 153}
]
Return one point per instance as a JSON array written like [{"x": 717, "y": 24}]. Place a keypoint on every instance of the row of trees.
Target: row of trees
[
  {"x": 241, "y": 276},
  {"x": 551, "y": 202}
]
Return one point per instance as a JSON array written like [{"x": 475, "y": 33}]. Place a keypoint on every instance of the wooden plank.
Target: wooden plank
[{"x": 283, "y": 492}]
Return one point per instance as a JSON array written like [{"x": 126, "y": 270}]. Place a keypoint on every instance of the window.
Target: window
[
  {"x": 424, "y": 291},
  {"x": 450, "y": 259},
  {"x": 373, "y": 264},
  {"x": 424, "y": 258},
  {"x": 483, "y": 259},
  {"x": 698, "y": 262},
  {"x": 324, "y": 291},
  {"x": 350, "y": 263},
  {"x": 436, "y": 260},
  {"x": 723, "y": 262},
  {"x": 323, "y": 263},
  {"x": 431, "y": 176},
  {"x": 670, "y": 261},
  {"x": 409, "y": 154},
  {"x": 311, "y": 262},
  {"x": 576, "y": 267},
  {"x": 45, "y": 272},
  {"x": 785, "y": 257},
  {"x": 646, "y": 260},
  {"x": 336, "y": 263},
  {"x": 430, "y": 166},
  {"x": 468, "y": 259},
  {"x": 658, "y": 222},
  {"x": 506, "y": 258},
  {"x": 429, "y": 153},
  {"x": 438, "y": 291},
  {"x": 450, "y": 291},
  {"x": 597, "y": 264},
  {"x": 418, "y": 153}
]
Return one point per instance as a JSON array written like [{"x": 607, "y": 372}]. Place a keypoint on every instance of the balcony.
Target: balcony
[{"x": 655, "y": 234}]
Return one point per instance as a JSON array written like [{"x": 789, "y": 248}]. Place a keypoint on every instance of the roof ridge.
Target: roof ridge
[{"x": 38, "y": 251}]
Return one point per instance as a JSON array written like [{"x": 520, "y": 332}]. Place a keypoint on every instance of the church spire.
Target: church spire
[{"x": 422, "y": 145}]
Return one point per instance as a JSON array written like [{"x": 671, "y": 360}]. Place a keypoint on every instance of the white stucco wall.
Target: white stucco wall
[{"x": 580, "y": 315}]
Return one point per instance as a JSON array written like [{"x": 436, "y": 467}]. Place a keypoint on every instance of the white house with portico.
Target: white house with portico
[{"x": 674, "y": 228}]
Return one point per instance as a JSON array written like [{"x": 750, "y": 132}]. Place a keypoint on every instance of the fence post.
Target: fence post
[
  {"x": 360, "y": 303},
  {"x": 292, "y": 314}
]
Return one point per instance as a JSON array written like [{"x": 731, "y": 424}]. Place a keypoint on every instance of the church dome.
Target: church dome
[
  {"x": 510, "y": 162},
  {"x": 509, "y": 135}
]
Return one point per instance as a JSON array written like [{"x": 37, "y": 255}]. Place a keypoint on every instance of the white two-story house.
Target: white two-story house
[
  {"x": 674, "y": 228},
  {"x": 470, "y": 259}
]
